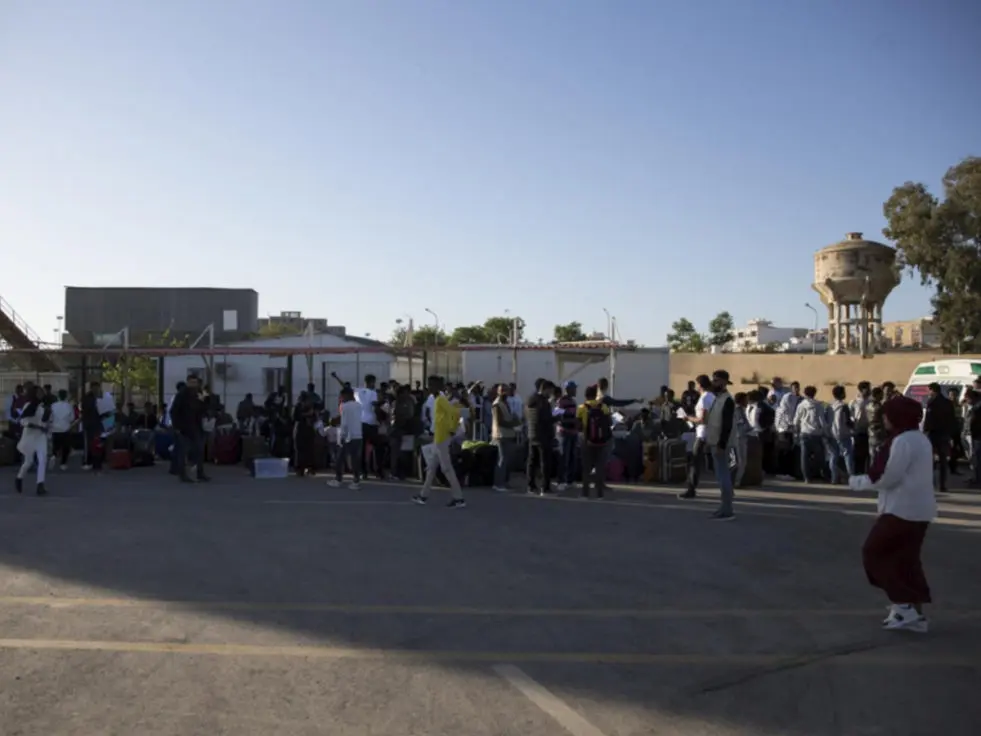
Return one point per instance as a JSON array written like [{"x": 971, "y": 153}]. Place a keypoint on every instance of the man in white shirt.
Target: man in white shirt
[
  {"x": 783, "y": 422},
  {"x": 62, "y": 418},
  {"x": 697, "y": 457},
  {"x": 350, "y": 439},
  {"x": 367, "y": 398}
]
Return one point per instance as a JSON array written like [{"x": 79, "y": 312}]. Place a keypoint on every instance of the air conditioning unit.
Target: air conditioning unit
[{"x": 224, "y": 370}]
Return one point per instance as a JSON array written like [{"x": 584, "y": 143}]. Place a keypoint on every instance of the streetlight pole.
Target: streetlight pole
[
  {"x": 814, "y": 345},
  {"x": 609, "y": 323},
  {"x": 407, "y": 342}
]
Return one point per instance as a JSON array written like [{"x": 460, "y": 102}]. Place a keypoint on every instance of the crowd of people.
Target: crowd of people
[{"x": 878, "y": 440}]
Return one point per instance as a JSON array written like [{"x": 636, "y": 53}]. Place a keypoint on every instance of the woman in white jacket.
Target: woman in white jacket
[{"x": 902, "y": 473}]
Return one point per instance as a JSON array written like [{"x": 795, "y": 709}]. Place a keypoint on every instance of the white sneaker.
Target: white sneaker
[
  {"x": 903, "y": 617},
  {"x": 499, "y": 489},
  {"x": 354, "y": 486},
  {"x": 333, "y": 483},
  {"x": 562, "y": 487},
  {"x": 86, "y": 467}
]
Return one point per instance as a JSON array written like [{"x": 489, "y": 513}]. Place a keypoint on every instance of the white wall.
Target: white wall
[
  {"x": 246, "y": 373},
  {"x": 639, "y": 373}
]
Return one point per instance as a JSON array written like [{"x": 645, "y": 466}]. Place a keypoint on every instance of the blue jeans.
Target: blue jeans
[
  {"x": 723, "y": 474},
  {"x": 570, "y": 458},
  {"x": 502, "y": 471},
  {"x": 810, "y": 444},
  {"x": 844, "y": 449}
]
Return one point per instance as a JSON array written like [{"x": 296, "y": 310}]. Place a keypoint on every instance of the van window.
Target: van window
[
  {"x": 921, "y": 393},
  {"x": 925, "y": 370}
]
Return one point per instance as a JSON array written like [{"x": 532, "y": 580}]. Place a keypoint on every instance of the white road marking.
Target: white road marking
[{"x": 565, "y": 716}]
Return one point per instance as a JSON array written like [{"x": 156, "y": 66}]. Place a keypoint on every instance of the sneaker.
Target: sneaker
[
  {"x": 41, "y": 490},
  {"x": 499, "y": 489},
  {"x": 332, "y": 483},
  {"x": 63, "y": 467},
  {"x": 354, "y": 486},
  {"x": 904, "y": 617},
  {"x": 723, "y": 516},
  {"x": 86, "y": 467},
  {"x": 457, "y": 503},
  {"x": 562, "y": 487},
  {"x": 419, "y": 500},
  {"x": 786, "y": 478},
  {"x": 686, "y": 495}
]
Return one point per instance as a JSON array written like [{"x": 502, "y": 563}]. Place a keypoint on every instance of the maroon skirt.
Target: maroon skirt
[{"x": 891, "y": 555}]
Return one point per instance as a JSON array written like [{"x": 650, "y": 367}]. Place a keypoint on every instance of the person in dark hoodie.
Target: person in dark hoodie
[
  {"x": 187, "y": 415},
  {"x": 940, "y": 425},
  {"x": 92, "y": 427},
  {"x": 541, "y": 434}
]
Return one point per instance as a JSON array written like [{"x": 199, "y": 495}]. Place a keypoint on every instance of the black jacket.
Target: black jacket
[
  {"x": 941, "y": 417},
  {"x": 188, "y": 412},
  {"x": 91, "y": 421},
  {"x": 541, "y": 423}
]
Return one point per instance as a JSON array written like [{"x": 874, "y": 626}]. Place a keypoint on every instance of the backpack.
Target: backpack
[{"x": 599, "y": 427}]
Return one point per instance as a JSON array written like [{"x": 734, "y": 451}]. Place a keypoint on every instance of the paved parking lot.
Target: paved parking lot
[{"x": 134, "y": 605}]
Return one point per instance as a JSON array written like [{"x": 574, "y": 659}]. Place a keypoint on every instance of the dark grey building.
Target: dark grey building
[{"x": 93, "y": 315}]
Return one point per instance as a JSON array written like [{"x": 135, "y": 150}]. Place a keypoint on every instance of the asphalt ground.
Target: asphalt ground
[{"x": 130, "y": 604}]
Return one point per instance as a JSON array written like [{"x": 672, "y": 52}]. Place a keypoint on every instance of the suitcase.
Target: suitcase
[
  {"x": 652, "y": 463},
  {"x": 144, "y": 446},
  {"x": 162, "y": 443},
  {"x": 673, "y": 457},
  {"x": 484, "y": 465},
  {"x": 120, "y": 459},
  {"x": 615, "y": 470},
  {"x": 753, "y": 474},
  {"x": 227, "y": 448}
]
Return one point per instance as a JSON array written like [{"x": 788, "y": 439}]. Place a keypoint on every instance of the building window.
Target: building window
[
  {"x": 229, "y": 320},
  {"x": 272, "y": 379}
]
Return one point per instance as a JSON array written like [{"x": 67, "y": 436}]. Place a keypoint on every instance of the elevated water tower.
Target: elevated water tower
[{"x": 853, "y": 278}]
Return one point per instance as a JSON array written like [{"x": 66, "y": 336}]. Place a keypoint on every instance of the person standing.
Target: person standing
[
  {"x": 187, "y": 416},
  {"x": 810, "y": 433},
  {"x": 504, "y": 436},
  {"x": 860, "y": 430},
  {"x": 743, "y": 430},
  {"x": 902, "y": 474},
  {"x": 34, "y": 418},
  {"x": 940, "y": 425},
  {"x": 350, "y": 440},
  {"x": 786, "y": 410},
  {"x": 92, "y": 427},
  {"x": 595, "y": 418},
  {"x": 62, "y": 419},
  {"x": 446, "y": 421},
  {"x": 569, "y": 427},
  {"x": 541, "y": 434},
  {"x": 696, "y": 458},
  {"x": 720, "y": 436},
  {"x": 839, "y": 439}
]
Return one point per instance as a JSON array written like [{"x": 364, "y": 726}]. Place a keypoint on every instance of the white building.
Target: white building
[
  {"x": 760, "y": 333},
  {"x": 638, "y": 372},
  {"x": 238, "y": 375}
]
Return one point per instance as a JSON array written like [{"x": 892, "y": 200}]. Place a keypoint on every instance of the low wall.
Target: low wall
[{"x": 750, "y": 369}]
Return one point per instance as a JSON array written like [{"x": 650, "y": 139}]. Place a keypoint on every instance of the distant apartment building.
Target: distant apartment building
[
  {"x": 914, "y": 333},
  {"x": 762, "y": 334}
]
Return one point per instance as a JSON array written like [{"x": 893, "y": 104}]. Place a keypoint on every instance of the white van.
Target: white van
[{"x": 956, "y": 373}]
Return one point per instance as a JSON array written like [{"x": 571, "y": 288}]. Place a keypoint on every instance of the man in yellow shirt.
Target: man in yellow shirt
[
  {"x": 597, "y": 440},
  {"x": 446, "y": 420}
]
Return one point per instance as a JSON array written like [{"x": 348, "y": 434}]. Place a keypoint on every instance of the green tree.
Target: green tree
[
  {"x": 279, "y": 329},
  {"x": 426, "y": 336},
  {"x": 571, "y": 332},
  {"x": 497, "y": 328},
  {"x": 471, "y": 335},
  {"x": 941, "y": 240},
  {"x": 139, "y": 371},
  {"x": 684, "y": 338},
  {"x": 721, "y": 329}
]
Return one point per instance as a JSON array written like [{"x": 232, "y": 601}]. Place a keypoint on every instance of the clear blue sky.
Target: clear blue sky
[{"x": 322, "y": 150}]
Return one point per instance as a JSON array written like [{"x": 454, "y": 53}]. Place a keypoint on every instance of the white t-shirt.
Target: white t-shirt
[
  {"x": 62, "y": 416},
  {"x": 367, "y": 397},
  {"x": 351, "y": 419},
  {"x": 701, "y": 411}
]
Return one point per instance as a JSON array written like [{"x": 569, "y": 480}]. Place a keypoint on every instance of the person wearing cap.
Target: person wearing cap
[
  {"x": 721, "y": 439},
  {"x": 566, "y": 408}
]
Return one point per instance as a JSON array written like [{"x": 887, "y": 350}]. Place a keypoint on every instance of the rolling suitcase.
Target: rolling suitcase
[
  {"x": 143, "y": 448},
  {"x": 227, "y": 447},
  {"x": 652, "y": 463},
  {"x": 120, "y": 459},
  {"x": 753, "y": 474},
  {"x": 162, "y": 442},
  {"x": 672, "y": 455}
]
